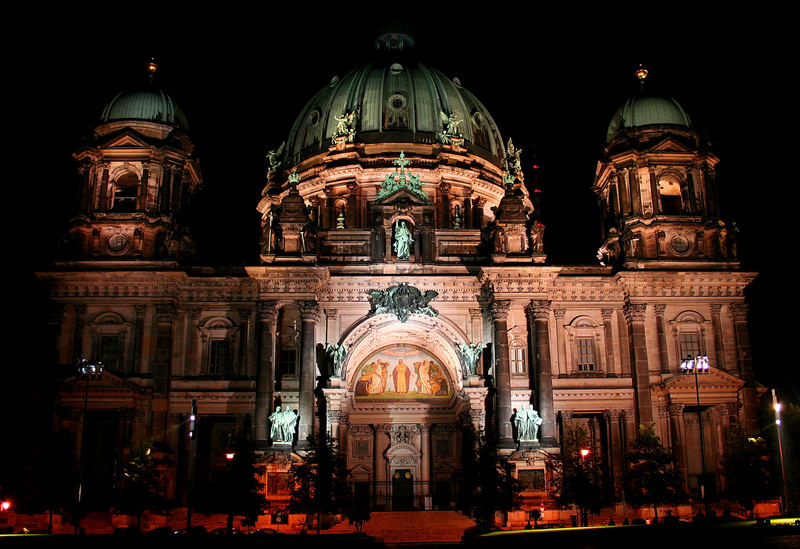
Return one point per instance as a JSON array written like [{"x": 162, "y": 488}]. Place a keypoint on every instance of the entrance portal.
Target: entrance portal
[{"x": 402, "y": 490}]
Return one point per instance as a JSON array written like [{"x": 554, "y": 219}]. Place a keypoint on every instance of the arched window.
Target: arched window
[
  {"x": 219, "y": 338},
  {"x": 669, "y": 192},
  {"x": 517, "y": 352},
  {"x": 111, "y": 333},
  {"x": 689, "y": 335},
  {"x": 126, "y": 190},
  {"x": 584, "y": 337}
]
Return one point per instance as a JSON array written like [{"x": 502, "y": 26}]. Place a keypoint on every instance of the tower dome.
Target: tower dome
[
  {"x": 152, "y": 105},
  {"x": 644, "y": 110},
  {"x": 393, "y": 99}
]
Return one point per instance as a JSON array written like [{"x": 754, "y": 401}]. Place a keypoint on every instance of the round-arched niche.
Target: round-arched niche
[{"x": 431, "y": 338}]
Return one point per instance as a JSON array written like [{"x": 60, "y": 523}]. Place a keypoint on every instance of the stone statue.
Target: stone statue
[
  {"x": 275, "y": 430},
  {"x": 345, "y": 127},
  {"x": 402, "y": 240},
  {"x": 471, "y": 353},
  {"x": 288, "y": 425},
  {"x": 336, "y": 353},
  {"x": 528, "y": 422},
  {"x": 450, "y": 123},
  {"x": 457, "y": 222},
  {"x": 274, "y": 160},
  {"x": 513, "y": 163}
]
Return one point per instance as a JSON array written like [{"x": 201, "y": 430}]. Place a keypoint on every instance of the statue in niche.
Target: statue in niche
[
  {"x": 471, "y": 353},
  {"x": 457, "y": 221},
  {"x": 402, "y": 240}
]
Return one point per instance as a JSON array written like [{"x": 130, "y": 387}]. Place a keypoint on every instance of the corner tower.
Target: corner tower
[
  {"x": 656, "y": 185},
  {"x": 137, "y": 172}
]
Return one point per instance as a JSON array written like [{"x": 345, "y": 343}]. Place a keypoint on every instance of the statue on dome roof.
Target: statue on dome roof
[
  {"x": 274, "y": 160},
  {"x": 450, "y": 133},
  {"x": 345, "y": 128}
]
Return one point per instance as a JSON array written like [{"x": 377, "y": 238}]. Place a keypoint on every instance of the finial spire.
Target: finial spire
[
  {"x": 641, "y": 74},
  {"x": 152, "y": 68}
]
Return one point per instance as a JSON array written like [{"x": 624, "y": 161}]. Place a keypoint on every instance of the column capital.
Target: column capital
[
  {"x": 606, "y": 314},
  {"x": 738, "y": 311},
  {"x": 267, "y": 310},
  {"x": 330, "y": 313},
  {"x": 538, "y": 309},
  {"x": 309, "y": 310},
  {"x": 659, "y": 308},
  {"x": 499, "y": 309},
  {"x": 634, "y": 312},
  {"x": 716, "y": 308}
]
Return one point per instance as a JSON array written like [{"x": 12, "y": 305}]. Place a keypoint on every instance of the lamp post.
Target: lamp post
[
  {"x": 698, "y": 365},
  {"x": 87, "y": 370},
  {"x": 779, "y": 427}
]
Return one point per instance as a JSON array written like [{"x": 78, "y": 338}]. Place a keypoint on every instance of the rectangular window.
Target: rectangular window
[
  {"x": 288, "y": 362},
  {"x": 517, "y": 360},
  {"x": 218, "y": 357},
  {"x": 689, "y": 344},
  {"x": 110, "y": 352},
  {"x": 585, "y": 351}
]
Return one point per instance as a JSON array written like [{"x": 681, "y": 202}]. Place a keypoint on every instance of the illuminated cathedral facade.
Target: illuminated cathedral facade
[{"x": 402, "y": 297}]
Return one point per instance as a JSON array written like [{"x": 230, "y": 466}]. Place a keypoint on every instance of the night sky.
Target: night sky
[{"x": 551, "y": 81}]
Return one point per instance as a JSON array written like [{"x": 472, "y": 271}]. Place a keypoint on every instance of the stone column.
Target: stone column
[
  {"x": 502, "y": 372},
  {"x": 379, "y": 445},
  {"x": 608, "y": 340},
  {"x": 561, "y": 342},
  {"x": 615, "y": 449},
  {"x": 162, "y": 368},
  {"x": 265, "y": 371},
  {"x": 244, "y": 342},
  {"x": 138, "y": 339},
  {"x": 444, "y": 205},
  {"x": 309, "y": 313},
  {"x": 635, "y": 315},
  {"x": 662, "y": 337},
  {"x": 716, "y": 328},
  {"x": 738, "y": 313},
  {"x": 105, "y": 188},
  {"x": 142, "y": 199},
  {"x": 477, "y": 212},
  {"x": 192, "y": 359},
  {"x": 77, "y": 335},
  {"x": 425, "y": 459},
  {"x": 538, "y": 316},
  {"x": 678, "y": 436}
]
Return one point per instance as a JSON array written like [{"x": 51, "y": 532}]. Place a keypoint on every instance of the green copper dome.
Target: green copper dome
[
  {"x": 393, "y": 102},
  {"x": 640, "y": 111},
  {"x": 153, "y": 105}
]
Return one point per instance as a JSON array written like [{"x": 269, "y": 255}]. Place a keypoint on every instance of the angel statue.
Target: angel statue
[
  {"x": 336, "y": 354},
  {"x": 274, "y": 160},
  {"x": 450, "y": 123},
  {"x": 471, "y": 352},
  {"x": 345, "y": 127}
]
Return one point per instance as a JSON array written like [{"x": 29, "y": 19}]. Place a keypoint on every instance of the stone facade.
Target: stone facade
[{"x": 595, "y": 346}]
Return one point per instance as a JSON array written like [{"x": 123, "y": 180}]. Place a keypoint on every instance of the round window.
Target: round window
[
  {"x": 117, "y": 242},
  {"x": 397, "y": 102},
  {"x": 679, "y": 244}
]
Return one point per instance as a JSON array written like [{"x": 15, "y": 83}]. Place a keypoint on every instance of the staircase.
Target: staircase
[{"x": 412, "y": 526}]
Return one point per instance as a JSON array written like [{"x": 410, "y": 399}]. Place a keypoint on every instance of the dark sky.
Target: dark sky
[{"x": 553, "y": 79}]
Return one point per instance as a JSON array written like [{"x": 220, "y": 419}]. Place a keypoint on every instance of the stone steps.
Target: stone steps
[{"x": 412, "y": 526}]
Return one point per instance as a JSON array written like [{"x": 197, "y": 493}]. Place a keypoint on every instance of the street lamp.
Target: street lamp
[
  {"x": 697, "y": 366},
  {"x": 89, "y": 370},
  {"x": 779, "y": 427}
]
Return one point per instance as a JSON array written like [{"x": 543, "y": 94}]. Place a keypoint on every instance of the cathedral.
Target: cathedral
[{"x": 402, "y": 297}]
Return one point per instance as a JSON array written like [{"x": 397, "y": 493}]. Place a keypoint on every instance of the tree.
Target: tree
[
  {"x": 236, "y": 489},
  {"x": 652, "y": 477},
  {"x": 489, "y": 484},
  {"x": 747, "y": 471},
  {"x": 318, "y": 484},
  {"x": 141, "y": 487},
  {"x": 578, "y": 474}
]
